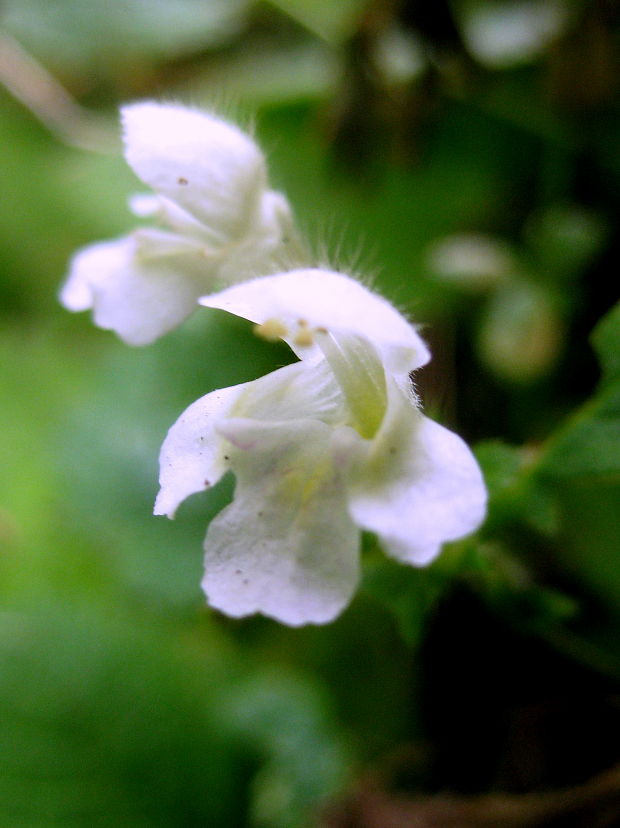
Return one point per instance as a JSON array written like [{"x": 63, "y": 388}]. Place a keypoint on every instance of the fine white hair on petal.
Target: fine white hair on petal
[
  {"x": 204, "y": 164},
  {"x": 330, "y": 300}
]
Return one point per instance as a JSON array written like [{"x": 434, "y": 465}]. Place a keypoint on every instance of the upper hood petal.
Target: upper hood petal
[
  {"x": 207, "y": 166},
  {"x": 322, "y": 299}
]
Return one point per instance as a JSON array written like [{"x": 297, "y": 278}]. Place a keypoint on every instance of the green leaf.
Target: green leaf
[
  {"x": 580, "y": 469},
  {"x": 77, "y": 34},
  {"x": 501, "y": 465},
  {"x": 408, "y": 593},
  {"x": 589, "y": 446},
  {"x": 565, "y": 238},
  {"x": 108, "y": 720},
  {"x": 589, "y": 517},
  {"x": 332, "y": 21},
  {"x": 606, "y": 340},
  {"x": 284, "y": 717}
]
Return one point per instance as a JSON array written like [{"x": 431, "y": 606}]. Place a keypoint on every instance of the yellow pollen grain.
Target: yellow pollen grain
[
  {"x": 271, "y": 329},
  {"x": 304, "y": 338}
]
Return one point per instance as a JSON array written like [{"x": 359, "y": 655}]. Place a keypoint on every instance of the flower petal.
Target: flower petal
[
  {"x": 271, "y": 243},
  {"x": 168, "y": 213},
  {"x": 418, "y": 486},
  {"x": 286, "y": 547},
  {"x": 194, "y": 454},
  {"x": 295, "y": 392},
  {"x": 191, "y": 457},
  {"x": 76, "y": 293},
  {"x": 139, "y": 297},
  {"x": 204, "y": 164},
  {"x": 319, "y": 299}
]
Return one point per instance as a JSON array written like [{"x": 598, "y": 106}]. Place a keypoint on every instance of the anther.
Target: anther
[
  {"x": 271, "y": 329},
  {"x": 304, "y": 337}
]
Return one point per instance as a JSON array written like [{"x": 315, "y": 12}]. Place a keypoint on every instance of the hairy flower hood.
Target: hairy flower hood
[
  {"x": 216, "y": 223},
  {"x": 321, "y": 449}
]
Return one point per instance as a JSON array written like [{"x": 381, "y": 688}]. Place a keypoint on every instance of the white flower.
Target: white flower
[
  {"x": 219, "y": 224},
  {"x": 320, "y": 449}
]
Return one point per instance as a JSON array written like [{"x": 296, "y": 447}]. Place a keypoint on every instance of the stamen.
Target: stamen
[
  {"x": 271, "y": 330},
  {"x": 304, "y": 337}
]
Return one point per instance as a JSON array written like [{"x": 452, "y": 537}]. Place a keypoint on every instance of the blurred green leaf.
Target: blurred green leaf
[
  {"x": 81, "y": 34},
  {"x": 581, "y": 466},
  {"x": 59, "y": 198},
  {"x": 106, "y": 720},
  {"x": 606, "y": 340},
  {"x": 284, "y": 717},
  {"x": 589, "y": 446},
  {"x": 332, "y": 21},
  {"x": 506, "y": 470},
  {"x": 500, "y": 464},
  {"x": 259, "y": 74},
  {"x": 565, "y": 238},
  {"x": 408, "y": 593}
]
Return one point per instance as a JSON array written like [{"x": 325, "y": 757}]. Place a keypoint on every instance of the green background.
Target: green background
[{"x": 123, "y": 699}]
